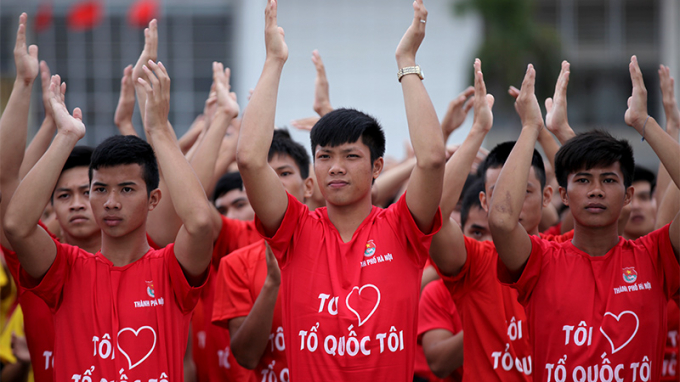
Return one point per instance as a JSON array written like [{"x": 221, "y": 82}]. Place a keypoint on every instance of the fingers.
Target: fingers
[
  {"x": 529, "y": 81},
  {"x": 270, "y": 14},
  {"x": 490, "y": 100},
  {"x": 513, "y": 91},
  {"x": 318, "y": 63},
  {"x": 548, "y": 104},
  {"x": 468, "y": 105},
  {"x": 419, "y": 15},
  {"x": 21, "y": 32},
  {"x": 45, "y": 75},
  {"x": 636, "y": 74},
  {"x": 480, "y": 86},
  {"x": 562, "y": 80},
  {"x": 151, "y": 39}
]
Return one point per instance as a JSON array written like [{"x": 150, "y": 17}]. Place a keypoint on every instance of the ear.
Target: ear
[
  {"x": 309, "y": 187},
  {"x": 377, "y": 167},
  {"x": 154, "y": 198},
  {"x": 483, "y": 201},
  {"x": 630, "y": 191},
  {"x": 564, "y": 196},
  {"x": 547, "y": 196}
]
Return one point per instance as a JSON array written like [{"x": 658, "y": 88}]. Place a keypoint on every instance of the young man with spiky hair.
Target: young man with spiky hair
[
  {"x": 596, "y": 305},
  {"x": 128, "y": 302},
  {"x": 643, "y": 205},
  {"x": 350, "y": 272}
]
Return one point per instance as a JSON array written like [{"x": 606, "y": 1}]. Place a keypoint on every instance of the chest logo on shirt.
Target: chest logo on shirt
[
  {"x": 629, "y": 275},
  {"x": 621, "y": 330},
  {"x": 136, "y": 348},
  {"x": 149, "y": 289},
  {"x": 364, "y": 303},
  {"x": 370, "y": 248}
]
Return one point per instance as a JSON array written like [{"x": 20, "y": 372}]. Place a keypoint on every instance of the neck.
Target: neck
[
  {"x": 90, "y": 244},
  {"x": 595, "y": 241},
  {"x": 126, "y": 249},
  {"x": 347, "y": 219}
]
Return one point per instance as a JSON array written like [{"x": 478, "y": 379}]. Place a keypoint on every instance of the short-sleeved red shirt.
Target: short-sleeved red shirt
[
  {"x": 211, "y": 344},
  {"x": 350, "y": 309},
  {"x": 605, "y": 313},
  {"x": 437, "y": 311},
  {"x": 239, "y": 282},
  {"x": 111, "y": 322},
  {"x": 669, "y": 371}
]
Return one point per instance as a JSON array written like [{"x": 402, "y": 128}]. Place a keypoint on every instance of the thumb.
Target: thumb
[
  {"x": 548, "y": 104},
  {"x": 490, "y": 100}
]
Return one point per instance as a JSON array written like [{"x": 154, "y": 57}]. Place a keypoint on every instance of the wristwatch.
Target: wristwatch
[{"x": 410, "y": 70}]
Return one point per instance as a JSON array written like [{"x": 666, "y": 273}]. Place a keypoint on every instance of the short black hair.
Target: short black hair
[
  {"x": 499, "y": 155},
  {"x": 342, "y": 126},
  {"x": 641, "y": 174},
  {"x": 229, "y": 181},
  {"x": 471, "y": 199},
  {"x": 283, "y": 144},
  {"x": 121, "y": 150},
  {"x": 80, "y": 156},
  {"x": 594, "y": 148}
]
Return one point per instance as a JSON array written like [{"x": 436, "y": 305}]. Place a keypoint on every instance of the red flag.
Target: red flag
[
  {"x": 84, "y": 15},
  {"x": 141, "y": 12},
  {"x": 43, "y": 17}
]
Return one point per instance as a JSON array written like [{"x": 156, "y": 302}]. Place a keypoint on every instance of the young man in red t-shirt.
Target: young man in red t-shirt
[
  {"x": 350, "y": 272},
  {"x": 595, "y": 304},
  {"x": 124, "y": 312}
]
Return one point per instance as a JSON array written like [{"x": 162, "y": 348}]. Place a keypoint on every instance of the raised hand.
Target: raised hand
[
  {"x": 457, "y": 112},
  {"x": 636, "y": 114},
  {"x": 556, "y": 107},
  {"x": 67, "y": 124},
  {"x": 670, "y": 104},
  {"x": 274, "y": 34},
  {"x": 483, "y": 102},
  {"x": 25, "y": 59},
  {"x": 150, "y": 51},
  {"x": 305, "y": 124},
  {"x": 126, "y": 103},
  {"x": 226, "y": 100},
  {"x": 526, "y": 103},
  {"x": 45, "y": 80},
  {"x": 410, "y": 42},
  {"x": 273, "y": 270},
  {"x": 157, "y": 87},
  {"x": 322, "y": 99}
]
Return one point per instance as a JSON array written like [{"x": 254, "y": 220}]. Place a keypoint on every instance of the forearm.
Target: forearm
[
  {"x": 13, "y": 129},
  {"x": 38, "y": 145},
  {"x": 126, "y": 128},
  {"x": 550, "y": 147},
  {"x": 666, "y": 149},
  {"x": 205, "y": 158},
  {"x": 189, "y": 138},
  {"x": 226, "y": 157},
  {"x": 662, "y": 177},
  {"x": 445, "y": 356},
  {"x": 249, "y": 341},
  {"x": 669, "y": 206},
  {"x": 389, "y": 182},
  {"x": 457, "y": 169}
]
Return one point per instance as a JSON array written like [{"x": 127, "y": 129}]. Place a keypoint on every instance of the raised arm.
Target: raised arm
[
  {"x": 14, "y": 120},
  {"x": 511, "y": 239},
  {"x": 670, "y": 107},
  {"x": 126, "y": 104},
  {"x": 425, "y": 186},
  {"x": 193, "y": 246},
  {"x": 322, "y": 98},
  {"x": 448, "y": 245},
  {"x": 249, "y": 334},
  {"x": 666, "y": 149},
  {"x": 34, "y": 247},
  {"x": 265, "y": 191},
  {"x": 150, "y": 52},
  {"x": 456, "y": 112}
]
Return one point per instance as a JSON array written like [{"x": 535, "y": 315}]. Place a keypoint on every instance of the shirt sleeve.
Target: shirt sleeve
[
  {"x": 531, "y": 272},
  {"x": 478, "y": 264},
  {"x": 51, "y": 286},
  {"x": 435, "y": 310},
  {"x": 280, "y": 242},
  {"x": 233, "y": 297},
  {"x": 186, "y": 295},
  {"x": 658, "y": 244},
  {"x": 402, "y": 221}
]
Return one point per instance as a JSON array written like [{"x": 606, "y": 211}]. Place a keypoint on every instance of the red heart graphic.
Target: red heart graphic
[
  {"x": 619, "y": 330},
  {"x": 364, "y": 302},
  {"x": 136, "y": 345}
]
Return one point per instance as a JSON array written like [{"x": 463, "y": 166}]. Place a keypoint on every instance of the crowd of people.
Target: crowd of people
[{"x": 228, "y": 254}]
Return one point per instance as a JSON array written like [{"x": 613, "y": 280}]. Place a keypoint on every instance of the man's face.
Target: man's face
[
  {"x": 643, "y": 211},
  {"x": 477, "y": 224},
  {"x": 235, "y": 205},
  {"x": 71, "y": 204},
  {"x": 534, "y": 200},
  {"x": 119, "y": 199},
  {"x": 290, "y": 176},
  {"x": 345, "y": 173},
  {"x": 596, "y": 196}
]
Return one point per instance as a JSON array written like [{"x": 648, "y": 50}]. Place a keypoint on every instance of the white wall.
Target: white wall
[{"x": 357, "y": 40}]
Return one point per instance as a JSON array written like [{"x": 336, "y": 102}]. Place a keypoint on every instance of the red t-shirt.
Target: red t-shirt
[
  {"x": 437, "y": 311},
  {"x": 350, "y": 309},
  {"x": 239, "y": 281},
  {"x": 554, "y": 230},
  {"x": 604, "y": 313},
  {"x": 497, "y": 345},
  {"x": 669, "y": 371},
  {"x": 211, "y": 343},
  {"x": 116, "y": 323}
]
